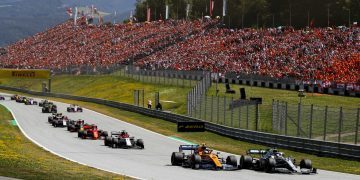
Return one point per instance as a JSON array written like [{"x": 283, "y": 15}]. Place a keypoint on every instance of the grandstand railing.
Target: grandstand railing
[{"x": 306, "y": 145}]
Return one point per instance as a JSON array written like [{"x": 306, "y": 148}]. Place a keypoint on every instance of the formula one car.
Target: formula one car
[
  {"x": 202, "y": 157},
  {"x": 271, "y": 160},
  {"x": 30, "y": 101},
  {"x": 121, "y": 139},
  {"x": 49, "y": 108},
  {"x": 75, "y": 125},
  {"x": 91, "y": 131},
  {"x": 74, "y": 108},
  {"x": 43, "y": 102},
  {"x": 60, "y": 121},
  {"x": 21, "y": 99},
  {"x": 14, "y": 97},
  {"x": 2, "y": 98},
  {"x": 56, "y": 116}
]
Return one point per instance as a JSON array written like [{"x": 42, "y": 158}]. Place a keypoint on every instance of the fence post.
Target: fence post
[
  {"x": 311, "y": 120},
  {"x": 273, "y": 113},
  {"x": 212, "y": 108},
  {"x": 298, "y": 120},
  {"x": 239, "y": 117},
  {"x": 247, "y": 116},
  {"x": 143, "y": 97},
  {"x": 325, "y": 121},
  {"x": 357, "y": 126},
  {"x": 286, "y": 112},
  {"x": 183, "y": 79},
  {"x": 200, "y": 102},
  {"x": 205, "y": 101},
  {"x": 256, "y": 117},
  {"x": 340, "y": 123},
  {"x": 232, "y": 112},
  {"x": 164, "y": 75},
  {"x": 278, "y": 117},
  {"x": 218, "y": 113},
  {"x": 224, "y": 110}
]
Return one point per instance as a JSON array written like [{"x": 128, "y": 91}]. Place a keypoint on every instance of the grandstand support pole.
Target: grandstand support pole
[
  {"x": 357, "y": 126},
  {"x": 49, "y": 85}
]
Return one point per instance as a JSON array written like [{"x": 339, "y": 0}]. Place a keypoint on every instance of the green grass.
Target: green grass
[
  {"x": 111, "y": 87},
  {"x": 20, "y": 158},
  {"x": 120, "y": 88},
  {"x": 213, "y": 140},
  {"x": 216, "y": 141},
  {"x": 289, "y": 96}
]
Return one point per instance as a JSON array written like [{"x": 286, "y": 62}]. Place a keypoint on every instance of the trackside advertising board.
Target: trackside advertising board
[
  {"x": 25, "y": 73},
  {"x": 191, "y": 126}
]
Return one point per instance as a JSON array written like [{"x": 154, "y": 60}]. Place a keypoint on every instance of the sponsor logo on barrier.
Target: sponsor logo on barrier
[
  {"x": 191, "y": 126},
  {"x": 25, "y": 73}
]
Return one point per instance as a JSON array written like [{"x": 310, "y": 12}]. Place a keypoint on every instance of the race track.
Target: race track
[{"x": 151, "y": 163}]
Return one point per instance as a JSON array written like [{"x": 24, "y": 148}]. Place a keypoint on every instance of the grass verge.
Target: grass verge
[
  {"x": 20, "y": 158},
  {"x": 211, "y": 139}
]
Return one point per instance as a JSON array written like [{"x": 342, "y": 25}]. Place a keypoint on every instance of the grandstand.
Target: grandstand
[{"x": 324, "y": 55}]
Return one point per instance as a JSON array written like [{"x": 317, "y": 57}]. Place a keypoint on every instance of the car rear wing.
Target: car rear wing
[
  {"x": 256, "y": 151},
  {"x": 188, "y": 147}
]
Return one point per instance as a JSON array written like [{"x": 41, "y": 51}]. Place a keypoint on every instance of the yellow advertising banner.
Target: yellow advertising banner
[{"x": 25, "y": 73}]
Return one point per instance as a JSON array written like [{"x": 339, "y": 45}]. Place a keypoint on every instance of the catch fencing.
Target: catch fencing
[
  {"x": 153, "y": 76},
  {"x": 224, "y": 111},
  {"x": 306, "y": 145},
  {"x": 316, "y": 122}
]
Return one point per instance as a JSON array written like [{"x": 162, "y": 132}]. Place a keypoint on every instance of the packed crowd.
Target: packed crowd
[
  {"x": 95, "y": 45},
  {"x": 329, "y": 55}
]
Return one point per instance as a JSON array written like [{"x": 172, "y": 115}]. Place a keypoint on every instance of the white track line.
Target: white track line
[{"x": 18, "y": 124}]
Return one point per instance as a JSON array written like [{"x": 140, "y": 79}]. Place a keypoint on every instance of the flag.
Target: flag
[
  {"x": 224, "y": 7},
  {"x": 76, "y": 14},
  {"x": 187, "y": 10},
  {"x": 69, "y": 11},
  {"x": 148, "y": 14},
  {"x": 167, "y": 12},
  {"x": 211, "y": 7}
]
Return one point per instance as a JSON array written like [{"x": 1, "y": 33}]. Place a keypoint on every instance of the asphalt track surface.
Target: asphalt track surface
[{"x": 153, "y": 162}]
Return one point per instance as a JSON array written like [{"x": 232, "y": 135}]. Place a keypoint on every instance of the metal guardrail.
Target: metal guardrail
[{"x": 317, "y": 147}]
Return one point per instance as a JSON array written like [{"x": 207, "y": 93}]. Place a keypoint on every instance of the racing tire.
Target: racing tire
[
  {"x": 262, "y": 164},
  {"x": 305, "y": 164},
  {"x": 177, "y": 158},
  {"x": 231, "y": 160},
  {"x": 105, "y": 134},
  {"x": 107, "y": 141},
  {"x": 245, "y": 162},
  {"x": 140, "y": 143},
  {"x": 80, "y": 134},
  {"x": 270, "y": 165},
  {"x": 115, "y": 143},
  {"x": 196, "y": 161}
]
